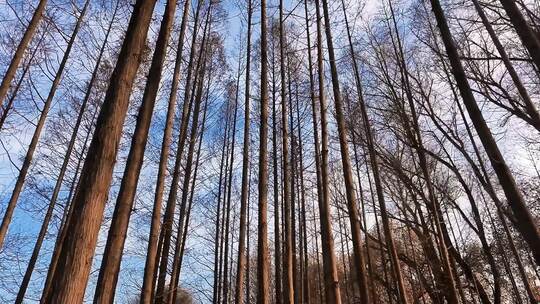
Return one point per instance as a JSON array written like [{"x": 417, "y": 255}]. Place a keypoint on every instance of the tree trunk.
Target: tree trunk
[
  {"x": 65, "y": 163},
  {"x": 525, "y": 224},
  {"x": 173, "y": 192},
  {"x": 263, "y": 259},
  {"x": 288, "y": 281},
  {"x": 112, "y": 256},
  {"x": 75, "y": 259},
  {"x": 152, "y": 252},
  {"x": 21, "y": 49},
  {"x": 239, "y": 293},
  {"x": 21, "y": 178}
]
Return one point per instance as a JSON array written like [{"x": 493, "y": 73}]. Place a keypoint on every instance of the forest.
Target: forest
[{"x": 270, "y": 151}]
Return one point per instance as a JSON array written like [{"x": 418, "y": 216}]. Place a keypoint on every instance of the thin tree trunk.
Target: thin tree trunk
[
  {"x": 217, "y": 261},
  {"x": 229, "y": 189},
  {"x": 288, "y": 280},
  {"x": 152, "y": 252},
  {"x": 263, "y": 259},
  {"x": 21, "y": 49},
  {"x": 63, "y": 169},
  {"x": 21, "y": 178},
  {"x": 74, "y": 263},
  {"x": 525, "y": 222},
  {"x": 239, "y": 294},
  {"x": 177, "y": 261},
  {"x": 331, "y": 279},
  {"x": 173, "y": 192},
  {"x": 275, "y": 166},
  {"x": 347, "y": 172},
  {"x": 112, "y": 256}
]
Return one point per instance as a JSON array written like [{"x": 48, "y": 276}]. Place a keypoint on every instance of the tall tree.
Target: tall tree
[
  {"x": 241, "y": 263},
  {"x": 288, "y": 281},
  {"x": 21, "y": 49},
  {"x": 263, "y": 258},
  {"x": 74, "y": 263},
  {"x": 525, "y": 223},
  {"x": 21, "y": 178},
  {"x": 60, "y": 179},
  {"x": 152, "y": 253},
  {"x": 112, "y": 256},
  {"x": 168, "y": 217}
]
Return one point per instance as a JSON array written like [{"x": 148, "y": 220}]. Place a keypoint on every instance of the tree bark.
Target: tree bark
[
  {"x": 525, "y": 224},
  {"x": 112, "y": 256},
  {"x": 75, "y": 259},
  {"x": 21, "y": 178},
  {"x": 239, "y": 294},
  {"x": 21, "y": 49},
  {"x": 263, "y": 259},
  {"x": 173, "y": 192},
  {"x": 152, "y": 252},
  {"x": 65, "y": 163}
]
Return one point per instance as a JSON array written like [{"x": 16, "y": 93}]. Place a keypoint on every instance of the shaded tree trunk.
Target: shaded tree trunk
[{"x": 525, "y": 224}]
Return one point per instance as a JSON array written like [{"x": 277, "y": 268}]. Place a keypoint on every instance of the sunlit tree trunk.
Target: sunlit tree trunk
[
  {"x": 21, "y": 49},
  {"x": 168, "y": 217},
  {"x": 263, "y": 259},
  {"x": 112, "y": 256},
  {"x": 74, "y": 263},
  {"x": 64, "y": 167},
  {"x": 152, "y": 252},
  {"x": 21, "y": 178}
]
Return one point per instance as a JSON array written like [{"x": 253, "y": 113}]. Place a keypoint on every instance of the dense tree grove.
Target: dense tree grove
[{"x": 273, "y": 151}]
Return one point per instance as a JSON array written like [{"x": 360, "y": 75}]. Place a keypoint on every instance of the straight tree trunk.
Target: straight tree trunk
[
  {"x": 63, "y": 169},
  {"x": 226, "y": 272},
  {"x": 217, "y": 260},
  {"x": 21, "y": 178},
  {"x": 303, "y": 222},
  {"x": 525, "y": 222},
  {"x": 75, "y": 259},
  {"x": 263, "y": 258},
  {"x": 288, "y": 280},
  {"x": 67, "y": 213},
  {"x": 21, "y": 49},
  {"x": 275, "y": 167},
  {"x": 177, "y": 264},
  {"x": 347, "y": 169},
  {"x": 152, "y": 252},
  {"x": 173, "y": 192},
  {"x": 331, "y": 279},
  {"x": 239, "y": 292},
  {"x": 527, "y": 35},
  {"x": 112, "y": 256}
]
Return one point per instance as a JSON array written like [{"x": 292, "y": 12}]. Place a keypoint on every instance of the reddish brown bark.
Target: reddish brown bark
[{"x": 74, "y": 263}]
